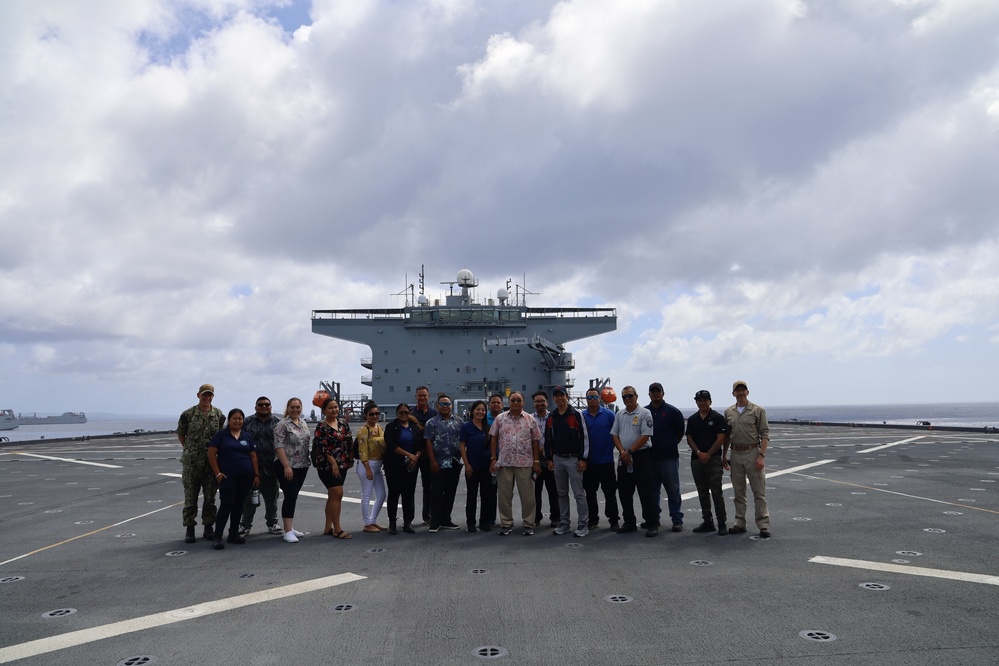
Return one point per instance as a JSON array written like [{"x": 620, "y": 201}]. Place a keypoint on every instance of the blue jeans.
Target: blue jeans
[{"x": 666, "y": 472}]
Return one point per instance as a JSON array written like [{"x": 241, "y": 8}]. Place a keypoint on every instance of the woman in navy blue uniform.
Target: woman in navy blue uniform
[
  {"x": 234, "y": 462},
  {"x": 474, "y": 445}
]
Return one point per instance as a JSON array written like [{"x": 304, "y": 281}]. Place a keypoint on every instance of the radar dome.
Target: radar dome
[
  {"x": 465, "y": 278},
  {"x": 503, "y": 294},
  {"x": 422, "y": 300}
]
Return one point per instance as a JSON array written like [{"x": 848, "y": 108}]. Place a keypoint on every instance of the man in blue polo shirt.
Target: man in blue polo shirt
[
  {"x": 600, "y": 468},
  {"x": 668, "y": 427}
]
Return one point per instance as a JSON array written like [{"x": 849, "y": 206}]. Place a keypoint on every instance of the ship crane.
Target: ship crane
[{"x": 553, "y": 354}]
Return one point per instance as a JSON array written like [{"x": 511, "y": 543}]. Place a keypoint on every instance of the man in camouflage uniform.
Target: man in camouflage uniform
[
  {"x": 261, "y": 430},
  {"x": 195, "y": 429}
]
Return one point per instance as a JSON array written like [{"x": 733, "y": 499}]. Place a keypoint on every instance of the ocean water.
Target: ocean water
[{"x": 965, "y": 414}]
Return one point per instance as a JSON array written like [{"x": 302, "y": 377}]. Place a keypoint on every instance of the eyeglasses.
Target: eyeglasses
[
  {"x": 263, "y": 404},
  {"x": 374, "y": 414},
  {"x": 629, "y": 396},
  {"x": 593, "y": 397},
  {"x": 444, "y": 404},
  {"x": 402, "y": 413}
]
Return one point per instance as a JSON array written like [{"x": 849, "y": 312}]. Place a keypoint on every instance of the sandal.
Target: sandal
[{"x": 342, "y": 534}]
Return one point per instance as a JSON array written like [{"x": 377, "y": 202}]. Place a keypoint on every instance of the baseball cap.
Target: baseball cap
[
  {"x": 206, "y": 388},
  {"x": 740, "y": 382},
  {"x": 655, "y": 386},
  {"x": 702, "y": 394},
  {"x": 559, "y": 389}
]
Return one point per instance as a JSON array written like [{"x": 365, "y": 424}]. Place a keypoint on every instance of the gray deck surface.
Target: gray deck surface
[{"x": 100, "y": 540}]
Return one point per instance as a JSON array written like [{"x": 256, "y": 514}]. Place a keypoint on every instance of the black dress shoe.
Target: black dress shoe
[
  {"x": 624, "y": 529},
  {"x": 391, "y": 529},
  {"x": 233, "y": 538},
  {"x": 408, "y": 529},
  {"x": 189, "y": 536},
  {"x": 737, "y": 530},
  {"x": 652, "y": 531},
  {"x": 217, "y": 542},
  {"x": 704, "y": 527},
  {"x": 722, "y": 530},
  {"x": 764, "y": 534}
]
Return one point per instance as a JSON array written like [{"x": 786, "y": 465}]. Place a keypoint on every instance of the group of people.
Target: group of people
[{"x": 499, "y": 448}]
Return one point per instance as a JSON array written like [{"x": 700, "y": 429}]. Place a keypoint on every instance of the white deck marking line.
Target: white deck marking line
[
  {"x": 895, "y": 492},
  {"x": 352, "y": 500},
  {"x": 69, "y": 460},
  {"x": 770, "y": 475},
  {"x": 83, "y": 636},
  {"x": 99, "y": 529},
  {"x": 891, "y": 444},
  {"x": 903, "y": 569}
]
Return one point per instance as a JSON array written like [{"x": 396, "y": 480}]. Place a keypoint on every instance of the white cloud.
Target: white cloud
[{"x": 769, "y": 185}]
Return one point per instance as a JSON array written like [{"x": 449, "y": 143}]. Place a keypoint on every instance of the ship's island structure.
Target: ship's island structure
[{"x": 462, "y": 347}]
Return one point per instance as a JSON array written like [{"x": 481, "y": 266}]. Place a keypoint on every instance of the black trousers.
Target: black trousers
[
  {"x": 639, "y": 480},
  {"x": 480, "y": 485},
  {"x": 401, "y": 485},
  {"x": 597, "y": 476},
  {"x": 232, "y": 493},
  {"x": 290, "y": 487},
  {"x": 546, "y": 478},
  {"x": 444, "y": 484},
  {"x": 708, "y": 479}
]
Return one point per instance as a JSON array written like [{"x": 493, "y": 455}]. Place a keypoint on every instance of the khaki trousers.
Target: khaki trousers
[
  {"x": 525, "y": 488},
  {"x": 743, "y": 465}
]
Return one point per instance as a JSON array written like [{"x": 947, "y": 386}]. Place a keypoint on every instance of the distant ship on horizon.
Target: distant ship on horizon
[{"x": 9, "y": 422}]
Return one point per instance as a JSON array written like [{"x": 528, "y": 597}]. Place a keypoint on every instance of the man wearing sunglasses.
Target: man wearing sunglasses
[
  {"x": 441, "y": 435},
  {"x": 260, "y": 426},
  {"x": 599, "y": 472},
  {"x": 631, "y": 433}
]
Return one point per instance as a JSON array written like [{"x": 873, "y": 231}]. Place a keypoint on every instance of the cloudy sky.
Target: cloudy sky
[{"x": 800, "y": 194}]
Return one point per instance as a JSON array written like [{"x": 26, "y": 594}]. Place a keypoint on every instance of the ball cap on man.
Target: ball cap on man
[
  {"x": 206, "y": 388},
  {"x": 740, "y": 382},
  {"x": 702, "y": 395},
  {"x": 655, "y": 386},
  {"x": 559, "y": 389}
]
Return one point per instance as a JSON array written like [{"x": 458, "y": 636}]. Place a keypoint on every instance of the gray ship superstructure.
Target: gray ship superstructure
[{"x": 462, "y": 347}]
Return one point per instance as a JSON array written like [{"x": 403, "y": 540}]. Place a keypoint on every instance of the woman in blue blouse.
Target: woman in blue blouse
[
  {"x": 473, "y": 441},
  {"x": 233, "y": 459},
  {"x": 403, "y": 450}
]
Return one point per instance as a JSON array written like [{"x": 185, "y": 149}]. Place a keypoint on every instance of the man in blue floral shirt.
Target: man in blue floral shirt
[{"x": 441, "y": 435}]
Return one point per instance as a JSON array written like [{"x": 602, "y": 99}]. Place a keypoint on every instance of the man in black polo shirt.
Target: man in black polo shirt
[{"x": 707, "y": 437}]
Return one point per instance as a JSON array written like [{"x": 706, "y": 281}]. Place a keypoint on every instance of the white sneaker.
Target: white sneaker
[
  {"x": 290, "y": 537},
  {"x": 297, "y": 533}
]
